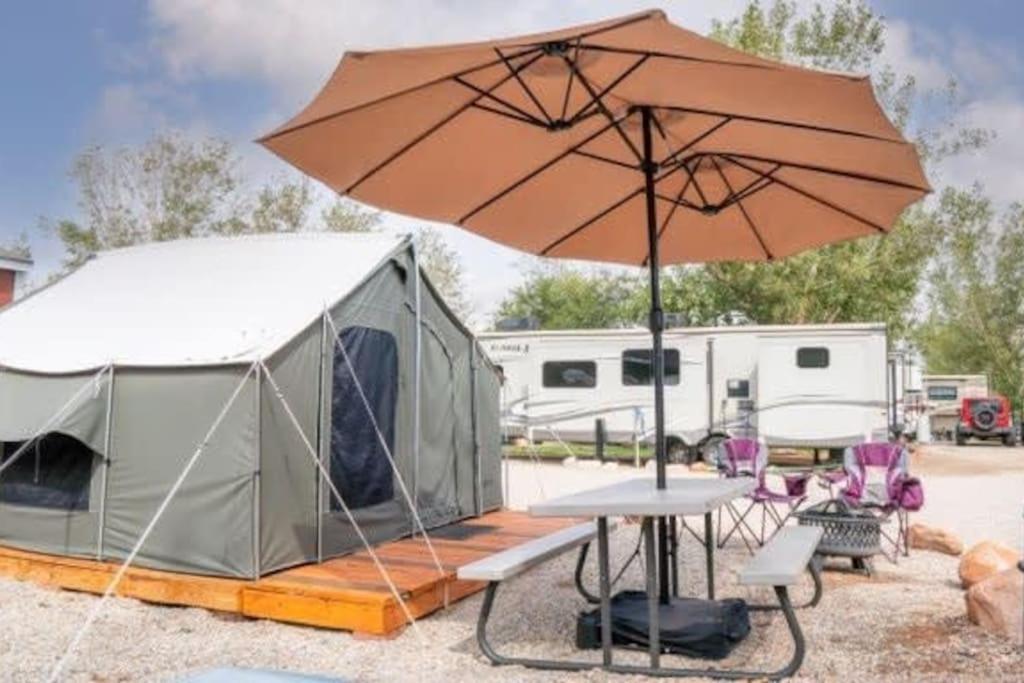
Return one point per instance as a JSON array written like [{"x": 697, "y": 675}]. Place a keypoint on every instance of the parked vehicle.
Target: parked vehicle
[
  {"x": 986, "y": 418},
  {"x": 944, "y": 394},
  {"x": 821, "y": 386}
]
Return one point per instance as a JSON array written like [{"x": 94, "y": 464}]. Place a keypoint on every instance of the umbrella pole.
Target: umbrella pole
[{"x": 657, "y": 324}]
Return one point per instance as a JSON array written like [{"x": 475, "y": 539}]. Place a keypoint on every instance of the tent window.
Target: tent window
[
  {"x": 54, "y": 472},
  {"x": 638, "y": 367},
  {"x": 812, "y": 357},
  {"x": 359, "y": 465}
]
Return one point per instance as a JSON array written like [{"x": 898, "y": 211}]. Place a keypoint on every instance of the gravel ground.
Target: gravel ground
[{"x": 907, "y": 623}]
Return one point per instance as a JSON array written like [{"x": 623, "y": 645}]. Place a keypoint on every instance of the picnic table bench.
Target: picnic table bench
[{"x": 779, "y": 564}]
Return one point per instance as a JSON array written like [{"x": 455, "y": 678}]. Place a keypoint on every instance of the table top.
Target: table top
[{"x": 689, "y": 496}]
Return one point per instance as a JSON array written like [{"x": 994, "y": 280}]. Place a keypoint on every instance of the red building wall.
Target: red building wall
[{"x": 6, "y": 287}]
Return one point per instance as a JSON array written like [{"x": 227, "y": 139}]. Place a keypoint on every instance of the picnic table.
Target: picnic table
[{"x": 779, "y": 564}]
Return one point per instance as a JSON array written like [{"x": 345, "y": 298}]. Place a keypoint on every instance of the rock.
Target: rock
[
  {"x": 924, "y": 537},
  {"x": 995, "y": 604},
  {"x": 985, "y": 559}
]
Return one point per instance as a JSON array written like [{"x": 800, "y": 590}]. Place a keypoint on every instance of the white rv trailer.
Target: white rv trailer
[{"x": 822, "y": 386}]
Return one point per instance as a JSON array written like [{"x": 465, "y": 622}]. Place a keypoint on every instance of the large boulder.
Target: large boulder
[
  {"x": 995, "y": 604},
  {"x": 985, "y": 559},
  {"x": 924, "y": 537}
]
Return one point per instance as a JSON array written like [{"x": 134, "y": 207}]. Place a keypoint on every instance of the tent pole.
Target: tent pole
[
  {"x": 107, "y": 441},
  {"x": 256, "y": 492},
  {"x": 322, "y": 434},
  {"x": 417, "y": 380},
  {"x": 657, "y": 324}
]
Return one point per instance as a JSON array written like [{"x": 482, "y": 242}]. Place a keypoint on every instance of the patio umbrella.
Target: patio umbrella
[{"x": 630, "y": 140}]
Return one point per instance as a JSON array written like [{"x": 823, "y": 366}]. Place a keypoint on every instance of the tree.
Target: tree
[
  {"x": 442, "y": 265},
  {"x": 173, "y": 187},
  {"x": 19, "y": 247},
  {"x": 872, "y": 279},
  {"x": 562, "y": 297},
  {"x": 875, "y": 278},
  {"x": 975, "y": 321}
]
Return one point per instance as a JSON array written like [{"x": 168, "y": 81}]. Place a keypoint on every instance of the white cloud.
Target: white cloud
[
  {"x": 1000, "y": 166},
  {"x": 912, "y": 51},
  {"x": 293, "y": 46}
]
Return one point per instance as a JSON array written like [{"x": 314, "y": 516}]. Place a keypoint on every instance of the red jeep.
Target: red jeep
[{"x": 986, "y": 418}]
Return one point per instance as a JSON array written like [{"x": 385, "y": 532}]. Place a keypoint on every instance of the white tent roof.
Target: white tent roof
[{"x": 190, "y": 302}]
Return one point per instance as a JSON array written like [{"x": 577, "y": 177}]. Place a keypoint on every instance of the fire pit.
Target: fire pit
[{"x": 849, "y": 532}]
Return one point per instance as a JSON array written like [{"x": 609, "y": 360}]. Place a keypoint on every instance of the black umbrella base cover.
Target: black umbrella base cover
[{"x": 708, "y": 629}]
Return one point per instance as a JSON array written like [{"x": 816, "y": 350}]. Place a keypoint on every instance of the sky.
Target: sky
[{"x": 77, "y": 73}]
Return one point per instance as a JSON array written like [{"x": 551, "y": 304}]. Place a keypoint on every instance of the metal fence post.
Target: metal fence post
[{"x": 600, "y": 436}]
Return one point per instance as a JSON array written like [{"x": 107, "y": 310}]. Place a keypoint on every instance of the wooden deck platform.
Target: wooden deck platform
[{"x": 345, "y": 593}]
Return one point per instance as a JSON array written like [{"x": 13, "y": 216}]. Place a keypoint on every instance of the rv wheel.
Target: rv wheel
[
  {"x": 708, "y": 448},
  {"x": 678, "y": 452}
]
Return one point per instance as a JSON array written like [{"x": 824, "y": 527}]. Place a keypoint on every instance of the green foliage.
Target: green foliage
[
  {"x": 975, "y": 322},
  {"x": 443, "y": 267},
  {"x": 562, "y": 297}
]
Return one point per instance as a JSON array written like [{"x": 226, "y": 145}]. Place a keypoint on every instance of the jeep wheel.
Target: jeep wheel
[
  {"x": 961, "y": 438},
  {"x": 1010, "y": 438}
]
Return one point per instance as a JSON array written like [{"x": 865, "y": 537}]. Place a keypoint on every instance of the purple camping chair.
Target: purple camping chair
[
  {"x": 877, "y": 478},
  {"x": 749, "y": 458}
]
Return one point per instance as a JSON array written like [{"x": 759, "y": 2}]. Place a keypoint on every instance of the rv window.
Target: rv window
[
  {"x": 55, "y": 472},
  {"x": 570, "y": 374},
  {"x": 359, "y": 464},
  {"x": 942, "y": 393},
  {"x": 637, "y": 367},
  {"x": 738, "y": 388},
  {"x": 812, "y": 357}
]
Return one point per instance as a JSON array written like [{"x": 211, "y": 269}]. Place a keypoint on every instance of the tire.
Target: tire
[
  {"x": 708, "y": 448},
  {"x": 961, "y": 438},
  {"x": 678, "y": 452},
  {"x": 1010, "y": 439}
]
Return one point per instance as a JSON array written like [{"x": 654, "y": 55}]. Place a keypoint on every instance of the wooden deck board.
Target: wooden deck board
[{"x": 345, "y": 593}]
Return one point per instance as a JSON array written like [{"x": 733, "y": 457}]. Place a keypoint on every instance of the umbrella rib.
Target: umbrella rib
[
  {"x": 406, "y": 91},
  {"x": 509, "y": 115},
  {"x": 746, "y": 216},
  {"x": 599, "y": 103},
  {"x": 668, "y": 216},
  {"x": 822, "y": 169},
  {"x": 431, "y": 130},
  {"x": 598, "y": 157},
  {"x": 752, "y": 188},
  {"x": 809, "y": 195},
  {"x": 522, "y": 84},
  {"x": 534, "y": 173},
  {"x": 685, "y": 58},
  {"x": 785, "y": 124},
  {"x": 596, "y": 99},
  {"x": 572, "y": 74},
  {"x": 670, "y": 158},
  {"x": 523, "y": 115},
  {"x": 693, "y": 177},
  {"x": 590, "y": 221}
]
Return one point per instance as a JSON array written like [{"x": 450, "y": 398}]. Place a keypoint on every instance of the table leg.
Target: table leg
[
  {"x": 653, "y": 601},
  {"x": 709, "y": 554},
  {"x": 662, "y": 563},
  {"x": 605, "y": 589},
  {"x": 674, "y": 555}
]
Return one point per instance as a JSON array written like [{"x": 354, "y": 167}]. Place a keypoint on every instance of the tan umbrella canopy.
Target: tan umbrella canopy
[{"x": 630, "y": 140}]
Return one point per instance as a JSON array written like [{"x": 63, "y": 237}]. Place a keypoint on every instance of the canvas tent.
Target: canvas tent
[{"x": 113, "y": 377}]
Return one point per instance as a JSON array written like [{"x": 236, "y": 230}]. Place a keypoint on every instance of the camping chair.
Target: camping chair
[
  {"x": 877, "y": 478},
  {"x": 749, "y": 458}
]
